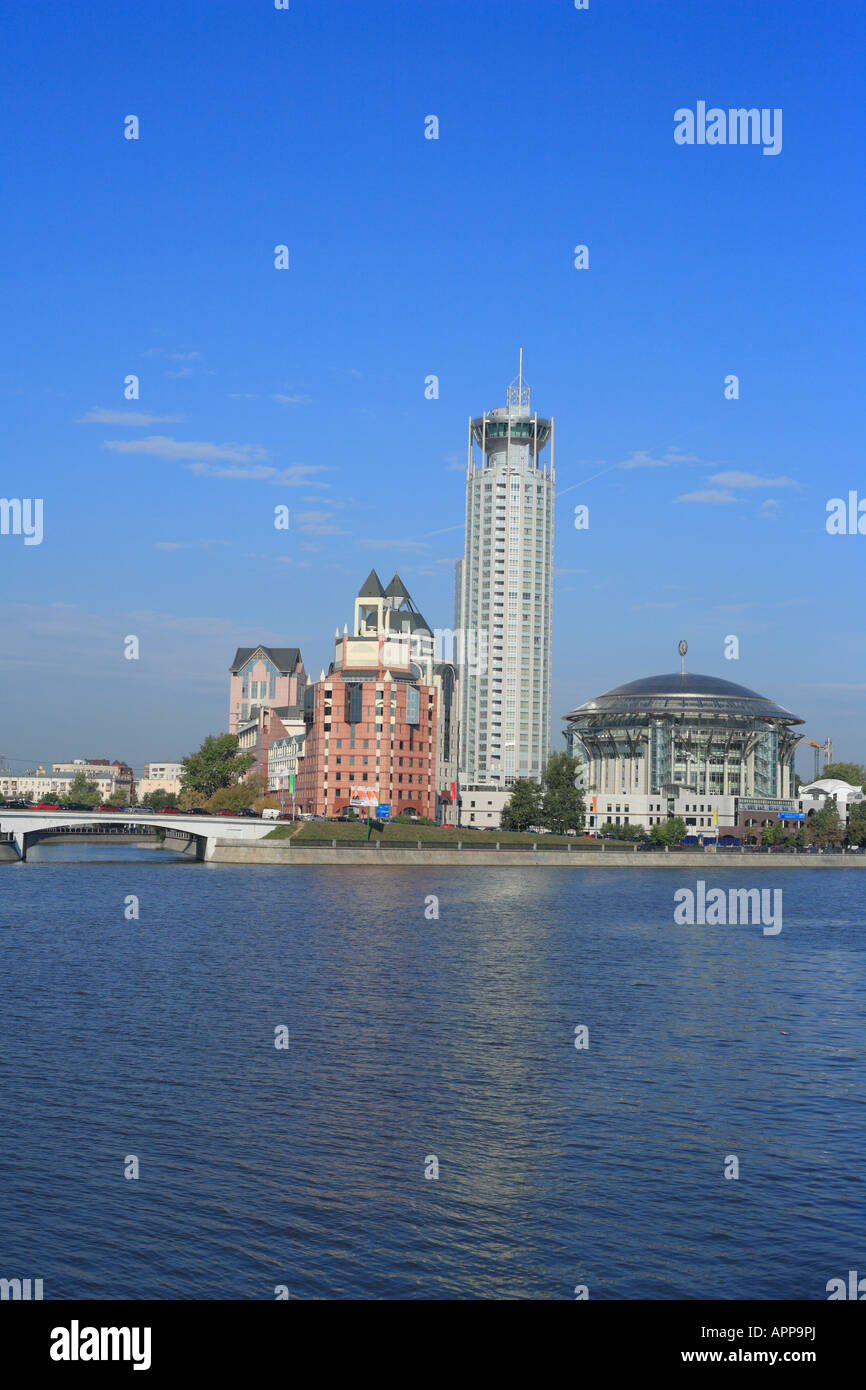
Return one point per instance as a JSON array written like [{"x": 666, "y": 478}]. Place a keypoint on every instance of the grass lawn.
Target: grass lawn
[{"x": 323, "y": 832}]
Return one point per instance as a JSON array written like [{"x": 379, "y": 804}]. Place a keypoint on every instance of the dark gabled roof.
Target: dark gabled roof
[
  {"x": 409, "y": 620},
  {"x": 284, "y": 658},
  {"x": 397, "y": 589},
  {"x": 372, "y": 587}
]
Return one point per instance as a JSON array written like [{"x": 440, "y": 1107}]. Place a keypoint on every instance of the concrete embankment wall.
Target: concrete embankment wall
[{"x": 275, "y": 852}]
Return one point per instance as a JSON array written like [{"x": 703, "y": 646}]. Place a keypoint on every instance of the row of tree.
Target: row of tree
[
  {"x": 554, "y": 804},
  {"x": 211, "y": 779}
]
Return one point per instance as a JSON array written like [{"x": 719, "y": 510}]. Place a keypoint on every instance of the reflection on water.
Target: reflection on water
[{"x": 411, "y": 1037}]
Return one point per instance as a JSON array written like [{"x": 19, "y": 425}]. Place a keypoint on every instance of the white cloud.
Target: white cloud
[
  {"x": 714, "y": 497},
  {"x": 395, "y": 545},
  {"x": 641, "y": 458},
  {"x": 735, "y": 479},
  {"x": 99, "y": 416},
  {"x": 295, "y": 476},
  {"x": 289, "y": 400},
  {"x": 162, "y": 446},
  {"x": 318, "y": 524}
]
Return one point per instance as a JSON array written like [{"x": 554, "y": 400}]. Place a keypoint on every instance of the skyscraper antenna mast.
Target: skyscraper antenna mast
[{"x": 520, "y": 378}]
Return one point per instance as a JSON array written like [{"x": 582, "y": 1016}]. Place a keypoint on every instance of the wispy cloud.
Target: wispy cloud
[
  {"x": 298, "y": 475},
  {"x": 163, "y": 446},
  {"x": 289, "y": 400},
  {"x": 641, "y": 458},
  {"x": 405, "y": 545},
  {"x": 713, "y": 497},
  {"x": 99, "y": 416},
  {"x": 318, "y": 524},
  {"x": 734, "y": 479}
]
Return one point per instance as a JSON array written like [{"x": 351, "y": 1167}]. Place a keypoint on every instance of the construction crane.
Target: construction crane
[{"x": 826, "y": 748}]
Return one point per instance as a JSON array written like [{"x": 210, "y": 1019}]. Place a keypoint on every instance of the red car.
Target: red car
[
  {"x": 168, "y": 811},
  {"x": 109, "y": 808},
  {"x": 45, "y": 806},
  {"x": 226, "y": 813}
]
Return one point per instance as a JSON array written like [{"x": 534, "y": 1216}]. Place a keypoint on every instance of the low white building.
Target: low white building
[
  {"x": 816, "y": 795},
  {"x": 481, "y": 807},
  {"x": 704, "y": 815},
  {"x": 51, "y": 786}
]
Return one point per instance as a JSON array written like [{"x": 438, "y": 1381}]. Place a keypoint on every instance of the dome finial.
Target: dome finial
[{"x": 682, "y": 648}]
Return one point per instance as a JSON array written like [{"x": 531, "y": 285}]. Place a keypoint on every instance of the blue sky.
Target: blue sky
[{"x": 411, "y": 257}]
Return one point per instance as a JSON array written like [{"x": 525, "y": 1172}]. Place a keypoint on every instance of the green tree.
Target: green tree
[
  {"x": 562, "y": 803},
  {"x": 247, "y": 795},
  {"x": 825, "y": 827},
  {"x": 623, "y": 832},
  {"x": 118, "y": 798},
  {"x": 857, "y": 823},
  {"x": 855, "y": 773},
  {"x": 240, "y": 797},
  {"x": 216, "y": 765},
  {"x": 524, "y": 807},
  {"x": 772, "y": 833},
  {"x": 86, "y": 793},
  {"x": 668, "y": 832},
  {"x": 156, "y": 800}
]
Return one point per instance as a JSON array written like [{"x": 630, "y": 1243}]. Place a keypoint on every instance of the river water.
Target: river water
[{"x": 411, "y": 1038}]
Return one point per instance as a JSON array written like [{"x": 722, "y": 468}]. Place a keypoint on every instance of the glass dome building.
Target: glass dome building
[{"x": 680, "y": 730}]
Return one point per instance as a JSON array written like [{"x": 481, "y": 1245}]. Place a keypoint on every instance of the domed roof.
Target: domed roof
[
  {"x": 830, "y": 785},
  {"x": 682, "y": 693}
]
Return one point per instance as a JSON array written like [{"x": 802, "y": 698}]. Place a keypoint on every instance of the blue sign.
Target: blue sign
[
  {"x": 791, "y": 815},
  {"x": 383, "y": 811}
]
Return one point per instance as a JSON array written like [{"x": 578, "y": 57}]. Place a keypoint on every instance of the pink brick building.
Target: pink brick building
[{"x": 372, "y": 721}]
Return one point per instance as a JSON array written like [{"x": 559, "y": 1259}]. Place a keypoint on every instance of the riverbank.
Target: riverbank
[{"x": 376, "y": 855}]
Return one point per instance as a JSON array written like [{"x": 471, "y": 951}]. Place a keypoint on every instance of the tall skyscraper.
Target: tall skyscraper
[{"x": 506, "y": 595}]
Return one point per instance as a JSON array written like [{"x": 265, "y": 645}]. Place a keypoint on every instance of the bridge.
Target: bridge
[{"x": 23, "y": 828}]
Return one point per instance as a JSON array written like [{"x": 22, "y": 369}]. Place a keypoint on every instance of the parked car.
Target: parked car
[
  {"x": 247, "y": 812},
  {"x": 45, "y": 806},
  {"x": 168, "y": 811},
  {"x": 226, "y": 813},
  {"x": 76, "y": 806},
  {"x": 197, "y": 811},
  {"x": 270, "y": 813},
  {"x": 110, "y": 808}
]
